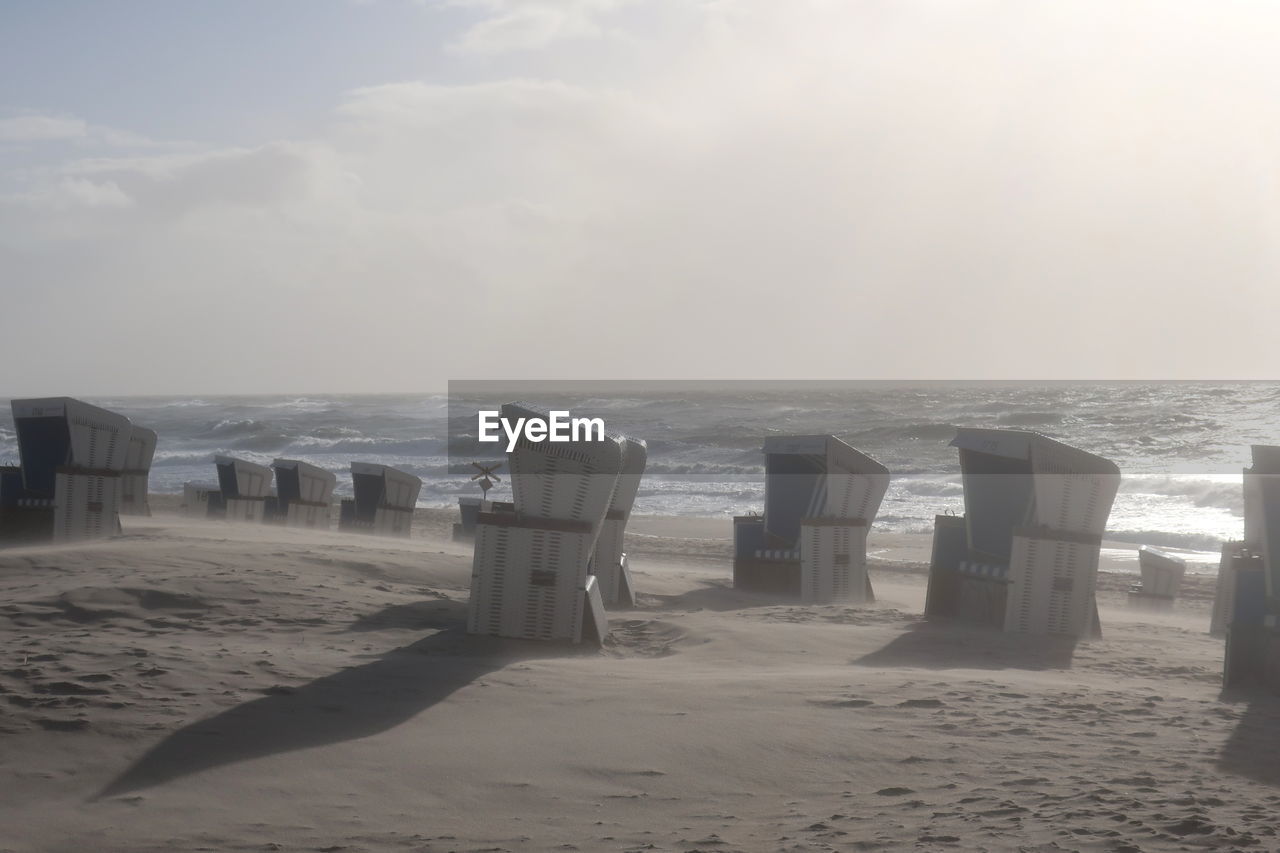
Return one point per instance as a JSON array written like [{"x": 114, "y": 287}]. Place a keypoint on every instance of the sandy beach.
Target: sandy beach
[{"x": 207, "y": 686}]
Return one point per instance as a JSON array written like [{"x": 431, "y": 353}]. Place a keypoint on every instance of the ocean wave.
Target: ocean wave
[
  {"x": 173, "y": 458},
  {"x": 891, "y": 523},
  {"x": 1029, "y": 419},
  {"x": 1200, "y": 492},
  {"x": 1189, "y": 541},
  {"x": 928, "y": 488},
  {"x": 236, "y": 426},
  {"x": 909, "y": 432},
  {"x": 707, "y": 469},
  {"x": 300, "y": 404}
]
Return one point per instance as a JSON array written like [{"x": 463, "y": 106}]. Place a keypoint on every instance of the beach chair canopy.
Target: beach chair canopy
[
  {"x": 814, "y": 476},
  {"x": 382, "y": 486},
  {"x": 302, "y": 481},
  {"x": 570, "y": 480},
  {"x": 1015, "y": 478},
  {"x": 238, "y": 478}
]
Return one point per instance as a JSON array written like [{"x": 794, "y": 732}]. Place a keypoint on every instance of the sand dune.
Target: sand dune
[{"x": 203, "y": 686}]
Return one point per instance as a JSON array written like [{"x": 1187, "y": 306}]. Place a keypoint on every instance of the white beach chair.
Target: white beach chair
[
  {"x": 530, "y": 574},
  {"x": 135, "y": 478},
  {"x": 1024, "y": 557},
  {"x": 72, "y": 455},
  {"x": 1162, "y": 575},
  {"x": 304, "y": 493},
  {"x": 202, "y": 500},
  {"x": 821, "y": 497},
  {"x": 609, "y": 561},
  {"x": 245, "y": 487},
  {"x": 1245, "y": 609},
  {"x": 384, "y": 500},
  {"x": 1262, "y": 511}
]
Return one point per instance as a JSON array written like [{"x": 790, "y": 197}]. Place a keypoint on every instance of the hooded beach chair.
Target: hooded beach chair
[
  {"x": 530, "y": 574},
  {"x": 384, "y": 500},
  {"x": 304, "y": 493},
  {"x": 609, "y": 561},
  {"x": 1161, "y": 579},
  {"x": 1247, "y": 606},
  {"x": 1024, "y": 556},
  {"x": 135, "y": 478},
  {"x": 469, "y": 510},
  {"x": 820, "y": 499},
  {"x": 202, "y": 500},
  {"x": 68, "y": 485},
  {"x": 245, "y": 487},
  {"x": 1261, "y": 483}
]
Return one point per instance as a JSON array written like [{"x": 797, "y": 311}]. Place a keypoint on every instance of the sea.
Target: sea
[{"x": 1180, "y": 445}]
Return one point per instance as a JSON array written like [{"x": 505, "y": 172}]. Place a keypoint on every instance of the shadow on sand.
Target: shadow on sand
[
  {"x": 355, "y": 702},
  {"x": 415, "y": 616},
  {"x": 1253, "y": 747},
  {"x": 717, "y": 596},
  {"x": 955, "y": 645}
]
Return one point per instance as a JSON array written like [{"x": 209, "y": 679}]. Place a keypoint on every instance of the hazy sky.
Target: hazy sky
[{"x": 327, "y": 195}]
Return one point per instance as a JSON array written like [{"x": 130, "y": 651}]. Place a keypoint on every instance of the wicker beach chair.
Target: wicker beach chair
[
  {"x": 531, "y": 568},
  {"x": 384, "y": 500},
  {"x": 1024, "y": 556},
  {"x": 1162, "y": 575},
  {"x": 68, "y": 485},
  {"x": 821, "y": 497},
  {"x": 245, "y": 487},
  {"x": 304, "y": 494}
]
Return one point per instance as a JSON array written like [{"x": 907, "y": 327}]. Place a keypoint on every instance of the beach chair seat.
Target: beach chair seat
[
  {"x": 1052, "y": 574},
  {"x": 529, "y": 578},
  {"x": 23, "y": 520},
  {"x": 833, "y": 561}
]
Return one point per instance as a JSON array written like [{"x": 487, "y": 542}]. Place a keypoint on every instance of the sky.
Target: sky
[{"x": 340, "y": 196}]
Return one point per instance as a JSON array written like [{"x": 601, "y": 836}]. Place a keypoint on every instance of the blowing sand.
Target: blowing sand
[{"x": 207, "y": 686}]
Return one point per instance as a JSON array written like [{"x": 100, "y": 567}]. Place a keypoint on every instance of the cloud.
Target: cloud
[
  {"x": 277, "y": 174},
  {"x": 41, "y": 128},
  {"x": 31, "y": 128},
  {"x": 527, "y": 25},
  {"x": 71, "y": 193}
]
